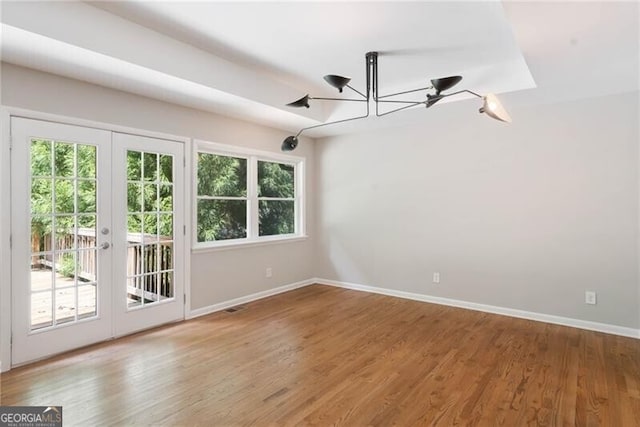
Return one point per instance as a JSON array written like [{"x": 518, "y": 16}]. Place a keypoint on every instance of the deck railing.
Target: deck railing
[{"x": 149, "y": 260}]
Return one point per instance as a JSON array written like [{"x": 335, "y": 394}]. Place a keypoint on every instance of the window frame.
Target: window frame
[{"x": 253, "y": 156}]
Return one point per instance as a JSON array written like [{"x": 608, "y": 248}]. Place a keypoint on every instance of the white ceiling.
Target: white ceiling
[{"x": 247, "y": 60}]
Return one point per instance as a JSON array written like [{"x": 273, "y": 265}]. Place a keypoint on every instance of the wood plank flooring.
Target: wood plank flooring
[{"x": 326, "y": 356}]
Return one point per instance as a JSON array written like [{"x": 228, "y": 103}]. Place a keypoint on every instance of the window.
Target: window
[{"x": 245, "y": 196}]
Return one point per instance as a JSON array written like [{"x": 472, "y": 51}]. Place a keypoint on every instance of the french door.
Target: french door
[{"x": 95, "y": 247}]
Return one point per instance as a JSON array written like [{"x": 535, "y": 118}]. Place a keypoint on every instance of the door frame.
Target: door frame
[{"x": 6, "y": 112}]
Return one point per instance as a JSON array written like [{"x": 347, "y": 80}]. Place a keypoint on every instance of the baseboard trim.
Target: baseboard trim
[
  {"x": 248, "y": 298},
  {"x": 521, "y": 314}
]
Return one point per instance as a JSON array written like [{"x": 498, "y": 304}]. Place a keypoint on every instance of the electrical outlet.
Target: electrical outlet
[
  {"x": 268, "y": 272},
  {"x": 436, "y": 277},
  {"x": 590, "y": 297}
]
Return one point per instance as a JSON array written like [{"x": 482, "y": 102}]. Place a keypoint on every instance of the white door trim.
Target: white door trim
[{"x": 6, "y": 112}]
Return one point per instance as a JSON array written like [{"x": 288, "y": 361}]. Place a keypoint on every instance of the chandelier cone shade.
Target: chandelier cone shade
[
  {"x": 337, "y": 81},
  {"x": 493, "y": 108},
  {"x": 445, "y": 83},
  {"x": 302, "y": 102},
  {"x": 289, "y": 144}
]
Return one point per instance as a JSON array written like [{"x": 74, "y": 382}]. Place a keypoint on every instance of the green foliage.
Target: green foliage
[
  {"x": 225, "y": 176},
  {"x": 276, "y": 216},
  {"x": 67, "y": 266},
  {"x": 66, "y": 173},
  {"x": 276, "y": 180},
  {"x": 221, "y": 176},
  {"x": 150, "y": 189}
]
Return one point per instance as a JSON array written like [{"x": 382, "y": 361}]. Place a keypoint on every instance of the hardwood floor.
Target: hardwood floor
[{"x": 324, "y": 356}]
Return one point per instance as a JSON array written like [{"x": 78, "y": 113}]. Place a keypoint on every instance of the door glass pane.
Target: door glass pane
[
  {"x": 64, "y": 159},
  {"x": 86, "y": 165},
  {"x": 166, "y": 168},
  {"x": 166, "y": 198},
  {"x": 65, "y": 305},
  {"x": 41, "y": 313},
  {"x": 41, "y": 274},
  {"x": 150, "y": 228},
  {"x": 150, "y": 197},
  {"x": 134, "y": 197},
  {"x": 87, "y": 301},
  {"x": 41, "y": 196},
  {"x": 150, "y": 166},
  {"x": 87, "y": 196},
  {"x": 41, "y": 158},
  {"x": 64, "y": 195},
  {"x": 63, "y": 232}
]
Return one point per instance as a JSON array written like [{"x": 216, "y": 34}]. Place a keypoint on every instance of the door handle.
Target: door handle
[{"x": 105, "y": 245}]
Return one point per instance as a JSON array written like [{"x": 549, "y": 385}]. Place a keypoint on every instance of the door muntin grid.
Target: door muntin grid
[
  {"x": 63, "y": 283},
  {"x": 150, "y": 228}
]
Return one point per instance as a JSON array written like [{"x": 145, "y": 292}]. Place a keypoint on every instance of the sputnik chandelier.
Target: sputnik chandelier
[{"x": 491, "y": 105}]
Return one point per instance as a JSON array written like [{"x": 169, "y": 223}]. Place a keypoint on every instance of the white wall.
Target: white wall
[
  {"x": 216, "y": 276},
  {"x": 526, "y": 216}
]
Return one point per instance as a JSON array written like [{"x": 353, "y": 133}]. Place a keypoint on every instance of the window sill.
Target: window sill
[{"x": 223, "y": 246}]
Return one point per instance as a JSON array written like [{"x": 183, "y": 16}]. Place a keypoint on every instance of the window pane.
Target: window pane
[
  {"x": 151, "y": 258},
  {"x": 165, "y": 284},
  {"x": 166, "y": 226},
  {"x": 65, "y": 195},
  {"x": 65, "y": 305},
  {"x": 221, "y": 176},
  {"x": 64, "y": 159},
  {"x": 41, "y": 233},
  {"x": 276, "y": 180},
  {"x": 134, "y": 197},
  {"x": 40, "y": 158},
  {"x": 277, "y": 217},
  {"x": 87, "y": 265},
  {"x": 166, "y": 168},
  {"x": 134, "y": 225},
  {"x": 150, "y": 226},
  {"x": 86, "y": 161},
  {"x": 86, "y": 196},
  {"x": 41, "y": 313},
  {"x": 64, "y": 236},
  {"x": 41, "y": 196},
  {"x": 150, "y": 197},
  {"x": 166, "y": 198},
  {"x": 150, "y": 166},
  {"x": 66, "y": 267},
  {"x": 41, "y": 273},
  {"x": 222, "y": 220},
  {"x": 87, "y": 299},
  {"x": 134, "y": 165}
]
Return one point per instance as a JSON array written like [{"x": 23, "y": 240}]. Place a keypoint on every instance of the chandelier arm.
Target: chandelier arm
[
  {"x": 333, "y": 123},
  {"x": 401, "y": 108},
  {"x": 462, "y": 91},
  {"x": 357, "y": 91},
  {"x": 339, "y": 99},
  {"x": 406, "y": 91},
  {"x": 401, "y": 102}
]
